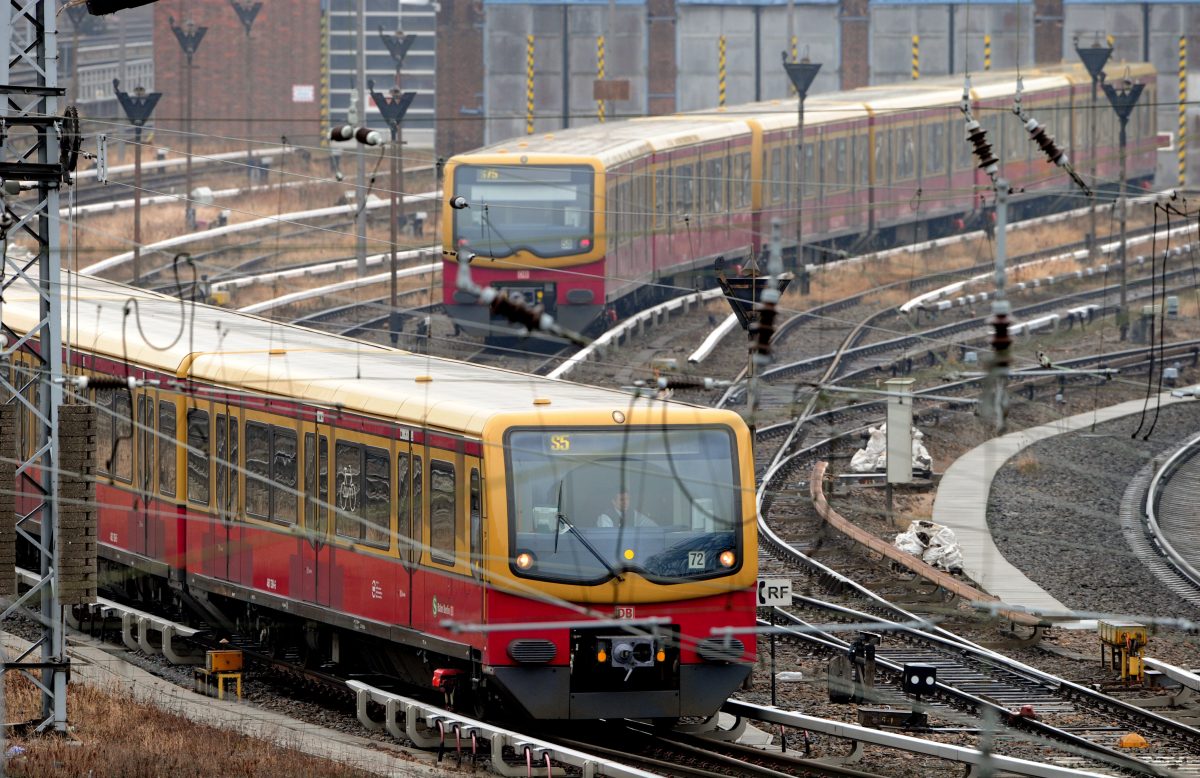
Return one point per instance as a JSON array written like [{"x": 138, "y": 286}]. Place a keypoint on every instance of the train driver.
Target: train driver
[{"x": 620, "y": 513}]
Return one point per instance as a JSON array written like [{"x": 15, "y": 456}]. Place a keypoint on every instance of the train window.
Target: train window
[
  {"x": 662, "y": 197},
  {"x": 808, "y": 184},
  {"x": 906, "y": 155},
  {"x": 476, "y": 520},
  {"x": 776, "y": 175},
  {"x": 935, "y": 149},
  {"x": 258, "y": 470},
  {"x": 310, "y": 480},
  {"x": 104, "y": 429},
  {"x": 223, "y": 470},
  {"x": 403, "y": 511},
  {"x": 114, "y": 429},
  {"x": 841, "y": 163},
  {"x": 883, "y": 156},
  {"x": 122, "y": 408},
  {"x": 715, "y": 184},
  {"x": 683, "y": 482},
  {"x": 166, "y": 451},
  {"x": 790, "y": 181},
  {"x": 418, "y": 506},
  {"x": 961, "y": 146},
  {"x": 862, "y": 158},
  {"x": 197, "y": 456},
  {"x": 377, "y": 508},
  {"x": 348, "y": 489},
  {"x": 283, "y": 475},
  {"x": 744, "y": 179},
  {"x": 219, "y": 436},
  {"x": 316, "y": 480},
  {"x": 684, "y": 189},
  {"x": 442, "y": 511}
]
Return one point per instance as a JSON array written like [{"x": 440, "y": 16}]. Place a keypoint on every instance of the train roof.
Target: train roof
[
  {"x": 263, "y": 357},
  {"x": 615, "y": 142}
]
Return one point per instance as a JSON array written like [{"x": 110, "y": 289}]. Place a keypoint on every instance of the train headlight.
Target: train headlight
[
  {"x": 661, "y": 656},
  {"x": 585, "y": 243},
  {"x": 601, "y": 655},
  {"x": 727, "y": 558},
  {"x": 526, "y": 560}
]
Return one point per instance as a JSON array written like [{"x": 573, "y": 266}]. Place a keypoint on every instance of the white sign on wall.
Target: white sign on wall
[{"x": 303, "y": 93}]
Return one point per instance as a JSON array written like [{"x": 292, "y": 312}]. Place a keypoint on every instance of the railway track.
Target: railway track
[
  {"x": 1168, "y": 511},
  {"x": 787, "y": 446}
]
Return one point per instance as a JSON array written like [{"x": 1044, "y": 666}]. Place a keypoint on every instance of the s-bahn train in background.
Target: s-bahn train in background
[
  {"x": 585, "y": 218},
  {"x": 345, "y": 501}
]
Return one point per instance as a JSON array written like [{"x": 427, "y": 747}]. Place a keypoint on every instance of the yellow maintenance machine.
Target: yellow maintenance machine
[{"x": 1125, "y": 641}]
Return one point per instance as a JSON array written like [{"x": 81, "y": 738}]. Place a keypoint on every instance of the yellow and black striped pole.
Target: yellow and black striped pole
[
  {"x": 916, "y": 57},
  {"x": 792, "y": 89},
  {"x": 324, "y": 79},
  {"x": 987, "y": 52},
  {"x": 529, "y": 85},
  {"x": 721, "y": 71},
  {"x": 600, "y": 73},
  {"x": 1182, "y": 141}
]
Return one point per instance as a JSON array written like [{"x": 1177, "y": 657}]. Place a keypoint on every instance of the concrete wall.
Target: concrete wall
[
  {"x": 560, "y": 101},
  {"x": 668, "y": 50},
  {"x": 286, "y": 54},
  {"x": 945, "y": 30},
  {"x": 1147, "y": 32},
  {"x": 755, "y": 37}
]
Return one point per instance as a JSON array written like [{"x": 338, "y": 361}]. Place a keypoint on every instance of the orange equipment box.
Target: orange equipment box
[{"x": 223, "y": 661}]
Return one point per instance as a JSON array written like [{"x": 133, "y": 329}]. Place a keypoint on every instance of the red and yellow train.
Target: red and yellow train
[
  {"x": 420, "y": 518},
  {"x": 614, "y": 213}
]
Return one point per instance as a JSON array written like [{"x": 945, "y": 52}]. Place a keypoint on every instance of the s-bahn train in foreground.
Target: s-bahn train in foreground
[
  {"x": 418, "y": 517},
  {"x": 583, "y": 218}
]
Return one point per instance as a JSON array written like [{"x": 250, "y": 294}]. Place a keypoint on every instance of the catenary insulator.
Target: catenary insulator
[{"x": 983, "y": 150}]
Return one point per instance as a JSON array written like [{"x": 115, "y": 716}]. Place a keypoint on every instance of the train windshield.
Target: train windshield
[
  {"x": 587, "y": 505},
  {"x": 545, "y": 210}
]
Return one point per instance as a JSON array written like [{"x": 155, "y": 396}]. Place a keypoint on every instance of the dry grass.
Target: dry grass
[
  {"x": 107, "y": 234},
  {"x": 853, "y": 278},
  {"x": 1026, "y": 463},
  {"x": 108, "y": 742}
]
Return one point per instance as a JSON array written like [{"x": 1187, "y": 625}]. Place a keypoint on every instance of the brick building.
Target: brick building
[{"x": 280, "y": 87}]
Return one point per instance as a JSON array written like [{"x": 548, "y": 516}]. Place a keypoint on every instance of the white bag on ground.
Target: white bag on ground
[{"x": 933, "y": 543}]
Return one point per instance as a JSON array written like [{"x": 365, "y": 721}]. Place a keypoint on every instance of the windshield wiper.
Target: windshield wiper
[{"x": 562, "y": 519}]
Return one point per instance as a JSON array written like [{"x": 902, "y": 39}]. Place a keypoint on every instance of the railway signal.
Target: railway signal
[
  {"x": 393, "y": 107},
  {"x": 801, "y": 74},
  {"x": 189, "y": 37},
  {"x": 1123, "y": 102},
  {"x": 138, "y": 108},
  {"x": 247, "y": 12},
  {"x": 1094, "y": 58}
]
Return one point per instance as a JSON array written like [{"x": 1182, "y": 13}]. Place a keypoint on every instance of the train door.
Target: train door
[
  {"x": 208, "y": 540},
  {"x": 315, "y": 552},
  {"x": 448, "y": 589},
  {"x": 660, "y": 250},
  {"x": 171, "y": 512},
  {"x": 406, "y": 542},
  {"x": 225, "y": 506},
  {"x": 150, "y": 526}
]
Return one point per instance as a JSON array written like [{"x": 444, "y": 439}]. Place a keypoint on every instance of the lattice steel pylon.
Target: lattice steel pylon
[{"x": 30, "y": 132}]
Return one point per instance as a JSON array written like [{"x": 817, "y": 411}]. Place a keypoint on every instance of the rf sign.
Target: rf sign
[{"x": 774, "y": 591}]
